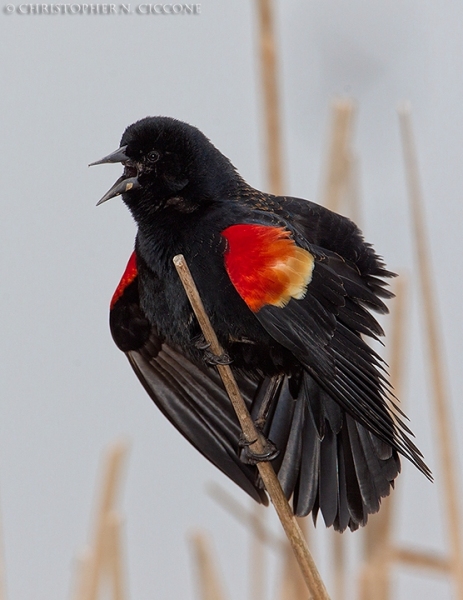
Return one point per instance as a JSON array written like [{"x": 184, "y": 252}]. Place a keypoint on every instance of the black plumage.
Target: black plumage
[{"x": 316, "y": 388}]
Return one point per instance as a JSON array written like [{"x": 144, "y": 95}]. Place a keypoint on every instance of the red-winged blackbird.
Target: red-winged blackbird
[{"x": 288, "y": 286}]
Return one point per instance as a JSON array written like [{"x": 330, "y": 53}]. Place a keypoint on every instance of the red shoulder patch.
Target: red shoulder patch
[
  {"x": 129, "y": 275},
  {"x": 265, "y": 265}
]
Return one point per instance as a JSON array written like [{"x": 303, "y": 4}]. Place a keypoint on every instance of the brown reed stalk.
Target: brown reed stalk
[
  {"x": 422, "y": 560},
  {"x": 209, "y": 580},
  {"x": 93, "y": 566},
  {"x": 434, "y": 347},
  {"x": 254, "y": 439},
  {"x": 339, "y": 154},
  {"x": 114, "y": 561},
  {"x": 353, "y": 190},
  {"x": 270, "y": 96}
]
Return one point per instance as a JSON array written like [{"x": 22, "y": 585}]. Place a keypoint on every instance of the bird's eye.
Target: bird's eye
[{"x": 153, "y": 156}]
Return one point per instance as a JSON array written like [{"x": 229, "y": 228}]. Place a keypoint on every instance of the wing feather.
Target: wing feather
[{"x": 197, "y": 405}]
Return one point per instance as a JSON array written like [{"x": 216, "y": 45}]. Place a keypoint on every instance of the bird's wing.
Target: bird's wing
[
  {"x": 327, "y": 461},
  {"x": 191, "y": 396},
  {"x": 318, "y": 310}
]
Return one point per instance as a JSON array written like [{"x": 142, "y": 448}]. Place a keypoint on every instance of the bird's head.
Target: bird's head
[{"x": 165, "y": 159}]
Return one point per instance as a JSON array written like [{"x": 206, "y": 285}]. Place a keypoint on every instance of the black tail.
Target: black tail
[{"x": 328, "y": 462}]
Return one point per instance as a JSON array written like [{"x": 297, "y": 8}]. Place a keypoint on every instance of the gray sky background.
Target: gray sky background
[{"x": 70, "y": 85}]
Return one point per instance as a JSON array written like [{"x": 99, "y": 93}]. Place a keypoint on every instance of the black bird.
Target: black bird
[{"x": 288, "y": 286}]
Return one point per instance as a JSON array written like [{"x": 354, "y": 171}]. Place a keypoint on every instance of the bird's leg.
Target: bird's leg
[
  {"x": 209, "y": 357},
  {"x": 271, "y": 452},
  {"x": 272, "y": 388}
]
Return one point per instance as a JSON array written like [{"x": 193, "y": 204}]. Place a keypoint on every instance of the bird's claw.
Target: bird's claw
[
  {"x": 201, "y": 343},
  {"x": 216, "y": 359},
  {"x": 210, "y": 358},
  {"x": 249, "y": 457}
]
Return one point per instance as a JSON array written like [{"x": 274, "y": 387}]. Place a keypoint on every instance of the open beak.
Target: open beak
[{"x": 123, "y": 184}]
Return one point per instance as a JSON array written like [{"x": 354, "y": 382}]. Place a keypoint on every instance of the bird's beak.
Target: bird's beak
[
  {"x": 118, "y": 155},
  {"x": 123, "y": 184}
]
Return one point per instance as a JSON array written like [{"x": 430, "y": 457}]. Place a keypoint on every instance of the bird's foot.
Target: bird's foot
[
  {"x": 209, "y": 357},
  {"x": 249, "y": 457},
  {"x": 201, "y": 343},
  {"x": 216, "y": 359}
]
